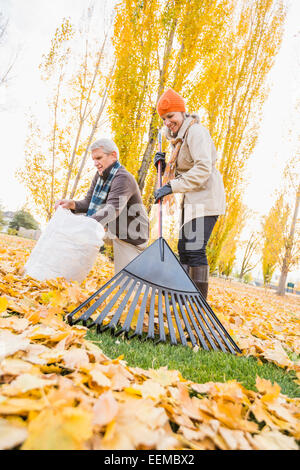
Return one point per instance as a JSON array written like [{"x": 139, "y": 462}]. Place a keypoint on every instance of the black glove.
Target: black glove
[
  {"x": 160, "y": 157},
  {"x": 162, "y": 192}
]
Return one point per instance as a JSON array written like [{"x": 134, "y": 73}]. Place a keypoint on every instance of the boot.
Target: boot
[{"x": 199, "y": 275}]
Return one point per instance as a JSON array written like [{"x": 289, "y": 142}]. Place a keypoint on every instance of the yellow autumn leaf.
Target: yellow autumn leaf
[
  {"x": 20, "y": 406},
  {"x": 270, "y": 392},
  {"x": 59, "y": 429},
  {"x": 3, "y": 304},
  {"x": 151, "y": 389},
  {"x": 11, "y": 435},
  {"x": 163, "y": 376},
  {"x": 99, "y": 378},
  {"x": 273, "y": 440},
  {"x": 133, "y": 391},
  {"x": 14, "y": 323},
  {"x": 11, "y": 366},
  {"x": 75, "y": 358},
  {"x": 105, "y": 409},
  {"x": 11, "y": 343},
  {"x": 28, "y": 382}
]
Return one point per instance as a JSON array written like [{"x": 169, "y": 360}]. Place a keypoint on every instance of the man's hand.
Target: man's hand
[
  {"x": 160, "y": 157},
  {"x": 162, "y": 192},
  {"x": 65, "y": 204}
]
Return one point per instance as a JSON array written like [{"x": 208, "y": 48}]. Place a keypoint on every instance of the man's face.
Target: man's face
[{"x": 102, "y": 160}]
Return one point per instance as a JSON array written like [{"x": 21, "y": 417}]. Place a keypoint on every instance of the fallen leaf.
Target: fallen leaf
[
  {"x": 3, "y": 304},
  {"x": 11, "y": 435},
  {"x": 105, "y": 409},
  {"x": 273, "y": 440},
  {"x": 11, "y": 343},
  {"x": 27, "y": 382},
  {"x": 59, "y": 429},
  {"x": 75, "y": 358}
]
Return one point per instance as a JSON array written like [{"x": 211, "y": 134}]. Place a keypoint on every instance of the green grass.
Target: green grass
[{"x": 200, "y": 366}]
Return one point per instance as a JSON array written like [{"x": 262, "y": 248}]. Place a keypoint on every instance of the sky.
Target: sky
[
  {"x": 32, "y": 24},
  {"x": 275, "y": 146}
]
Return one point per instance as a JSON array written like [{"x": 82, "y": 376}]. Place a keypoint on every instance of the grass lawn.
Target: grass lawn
[{"x": 200, "y": 366}]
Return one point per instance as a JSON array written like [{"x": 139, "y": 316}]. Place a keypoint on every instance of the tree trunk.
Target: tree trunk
[
  {"x": 99, "y": 114},
  {"x": 152, "y": 137},
  {"x": 50, "y": 211},
  {"x": 283, "y": 278},
  {"x": 288, "y": 251},
  {"x": 153, "y": 129}
]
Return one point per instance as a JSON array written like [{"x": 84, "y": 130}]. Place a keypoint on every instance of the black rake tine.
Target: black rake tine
[
  {"x": 177, "y": 319},
  {"x": 83, "y": 304},
  {"x": 117, "y": 315},
  {"x": 200, "y": 337},
  {"x": 218, "y": 330},
  {"x": 209, "y": 326},
  {"x": 214, "y": 316},
  {"x": 140, "y": 322},
  {"x": 162, "y": 334},
  {"x": 207, "y": 335},
  {"x": 111, "y": 303},
  {"x": 169, "y": 320},
  {"x": 126, "y": 326},
  {"x": 150, "y": 334},
  {"x": 187, "y": 325},
  {"x": 86, "y": 315}
]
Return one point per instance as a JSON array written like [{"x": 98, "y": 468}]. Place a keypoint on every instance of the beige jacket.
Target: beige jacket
[{"x": 196, "y": 175}]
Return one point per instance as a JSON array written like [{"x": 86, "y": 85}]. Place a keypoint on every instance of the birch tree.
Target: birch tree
[
  {"x": 79, "y": 70},
  {"x": 40, "y": 173},
  {"x": 251, "y": 248}
]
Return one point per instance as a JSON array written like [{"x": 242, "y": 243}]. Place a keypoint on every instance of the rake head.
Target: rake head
[{"x": 154, "y": 298}]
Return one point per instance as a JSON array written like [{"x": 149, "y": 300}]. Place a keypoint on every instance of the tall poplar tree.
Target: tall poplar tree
[
  {"x": 158, "y": 43},
  {"x": 273, "y": 237},
  {"x": 231, "y": 89}
]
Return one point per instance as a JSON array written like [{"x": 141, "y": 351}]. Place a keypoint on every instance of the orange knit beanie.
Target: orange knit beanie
[{"x": 170, "y": 101}]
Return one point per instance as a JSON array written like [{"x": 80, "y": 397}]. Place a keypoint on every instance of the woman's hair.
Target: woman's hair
[{"x": 107, "y": 145}]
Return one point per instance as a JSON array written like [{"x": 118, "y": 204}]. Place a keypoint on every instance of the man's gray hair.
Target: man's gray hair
[{"x": 107, "y": 145}]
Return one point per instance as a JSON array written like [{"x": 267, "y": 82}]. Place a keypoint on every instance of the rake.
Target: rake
[{"x": 155, "y": 293}]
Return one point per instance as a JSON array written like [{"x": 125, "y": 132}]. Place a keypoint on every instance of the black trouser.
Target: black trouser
[{"x": 193, "y": 238}]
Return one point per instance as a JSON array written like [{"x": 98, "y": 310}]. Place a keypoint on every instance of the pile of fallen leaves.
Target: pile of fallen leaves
[
  {"x": 59, "y": 391},
  {"x": 263, "y": 324}
]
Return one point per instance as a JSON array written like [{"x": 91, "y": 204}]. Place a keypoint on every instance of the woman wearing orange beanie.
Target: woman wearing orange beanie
[{"x": 192, "y": 172}]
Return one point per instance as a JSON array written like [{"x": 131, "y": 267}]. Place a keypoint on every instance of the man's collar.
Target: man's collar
[{"x": 106, "y": 172}]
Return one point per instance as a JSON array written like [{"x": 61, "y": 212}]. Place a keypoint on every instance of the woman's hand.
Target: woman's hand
[
  {"x": 160, "y": 157},
  {"x": 162, "y": 192},
  {"x": 65, "y": 204}
]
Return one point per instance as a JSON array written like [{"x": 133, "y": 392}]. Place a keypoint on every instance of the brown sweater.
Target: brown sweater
[{"x": 123, "y": 212}]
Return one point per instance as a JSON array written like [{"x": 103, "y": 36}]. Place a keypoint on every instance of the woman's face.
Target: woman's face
[{"x": 173, "y": 121}]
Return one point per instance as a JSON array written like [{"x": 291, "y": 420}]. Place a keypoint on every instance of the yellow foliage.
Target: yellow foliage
[
  {"x": 231, "y": 89},
  {"x": 273, "y": 238}
]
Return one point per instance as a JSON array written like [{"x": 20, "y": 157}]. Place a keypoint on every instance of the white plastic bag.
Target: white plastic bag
[{"x": 67, "y": 248}]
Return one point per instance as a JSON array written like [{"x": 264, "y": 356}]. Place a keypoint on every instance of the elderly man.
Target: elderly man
[{"x": 114, "y": 200}]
